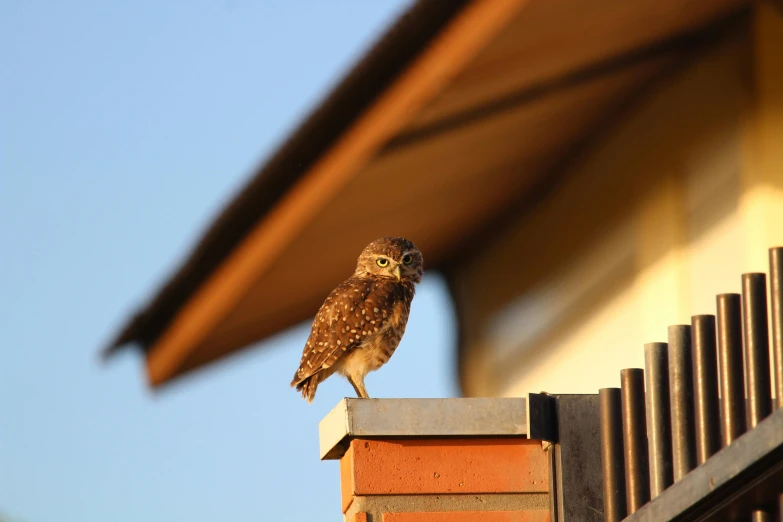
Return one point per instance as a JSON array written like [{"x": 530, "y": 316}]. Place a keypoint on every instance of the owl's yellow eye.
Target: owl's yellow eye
[
  {"x": 382, "y": 262},
  {"x": 407, "y": 259}
]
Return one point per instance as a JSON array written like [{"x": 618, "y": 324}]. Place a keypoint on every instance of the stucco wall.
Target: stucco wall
[{"x": 681, "y": 197}]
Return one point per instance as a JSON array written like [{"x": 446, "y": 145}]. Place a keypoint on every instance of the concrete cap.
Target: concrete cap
[{"x": 414, "y": 418}]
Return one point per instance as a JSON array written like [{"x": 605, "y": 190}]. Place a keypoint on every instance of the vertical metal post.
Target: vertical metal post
[
  {"x": 776, "y": 306},
  {"x": 730, "y": 367},
  {"x": 681, "y": 396},
  {"x": 754, "y": 318},
  {"x": 612, "y": 460},
  {"x": 656, "y": 370},
  {"x": 760, "y": 516},
  {"x": 705, "y": 386},
  {"x": 578, "y": 464},
  {"x": 637, "y": 487}
]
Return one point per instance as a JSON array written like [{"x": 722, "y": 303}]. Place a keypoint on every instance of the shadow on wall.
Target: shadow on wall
[{"x": 635, "y": 227}]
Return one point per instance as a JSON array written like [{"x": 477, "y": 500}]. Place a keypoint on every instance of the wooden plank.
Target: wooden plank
[{"x": 551, "y": 38}]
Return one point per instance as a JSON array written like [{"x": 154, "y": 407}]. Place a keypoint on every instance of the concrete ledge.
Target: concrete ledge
[
  {"x": 417, "y": 418},
  {"x": 520, "y": 506}
]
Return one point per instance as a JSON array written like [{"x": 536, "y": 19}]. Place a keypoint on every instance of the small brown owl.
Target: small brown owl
[{"x": 362, "y": 321}]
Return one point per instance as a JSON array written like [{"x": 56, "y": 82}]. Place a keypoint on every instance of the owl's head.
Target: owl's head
[{"x": 392, "y": 257}]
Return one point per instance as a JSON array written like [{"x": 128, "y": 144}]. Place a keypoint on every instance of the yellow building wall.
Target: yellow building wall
[{"x": 665, "y": 212}]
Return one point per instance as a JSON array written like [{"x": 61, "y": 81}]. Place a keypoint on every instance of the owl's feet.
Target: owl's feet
[{"x": 358, "y": 386}]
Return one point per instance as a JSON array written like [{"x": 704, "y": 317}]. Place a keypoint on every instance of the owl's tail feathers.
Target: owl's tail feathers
[{"x": 308, "y": 386}]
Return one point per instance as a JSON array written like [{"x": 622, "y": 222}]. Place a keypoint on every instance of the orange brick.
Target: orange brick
[
  {"x": 470, "y": 516},
  {"x": 346, "y": 479},
  {"x": 492, "y": 465},
  {"x": 360, "y": 517}
]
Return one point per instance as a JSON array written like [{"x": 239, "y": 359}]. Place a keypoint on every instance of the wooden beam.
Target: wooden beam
[{"x": 465, "y": 36}]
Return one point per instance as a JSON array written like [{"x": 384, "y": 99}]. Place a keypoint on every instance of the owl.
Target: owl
[{"x": 360, "y": 324}]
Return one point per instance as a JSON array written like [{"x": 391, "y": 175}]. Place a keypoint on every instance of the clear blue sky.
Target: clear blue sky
[{"x": 124, "y": 127}]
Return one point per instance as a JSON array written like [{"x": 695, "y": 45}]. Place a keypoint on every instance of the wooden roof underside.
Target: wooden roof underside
[{"x": 431, "y": 139}]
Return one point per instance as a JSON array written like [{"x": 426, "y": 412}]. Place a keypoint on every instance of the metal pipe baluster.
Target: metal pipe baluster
[
  {"x": 760, "y": 516},
  {"x": 637, "y": 487},
  {"x": 705, "y": 387},
  {"x": 656, "y": 370},
  {"x": 681, "y": 396},
  {"x": 754, "y": 319},
  {"x": 612, "y": 461},
  {"x": 776, "y": 308},
  {"x": 730, "y": 368}
]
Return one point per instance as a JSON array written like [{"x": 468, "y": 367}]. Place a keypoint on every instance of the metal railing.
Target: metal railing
[{"x": 698, "y": 394}]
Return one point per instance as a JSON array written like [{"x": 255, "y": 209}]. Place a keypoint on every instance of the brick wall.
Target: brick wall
[{"x": 410, "y": 477}]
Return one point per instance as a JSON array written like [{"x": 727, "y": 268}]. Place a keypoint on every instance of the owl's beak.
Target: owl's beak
[{"x": 397, "y": 272}]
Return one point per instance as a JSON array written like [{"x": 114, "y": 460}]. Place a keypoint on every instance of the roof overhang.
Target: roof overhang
[{"x": 458, "y": 113}]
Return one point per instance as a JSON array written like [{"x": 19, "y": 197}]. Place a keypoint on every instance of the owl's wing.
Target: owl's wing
[{"x": 354, "y": 310}]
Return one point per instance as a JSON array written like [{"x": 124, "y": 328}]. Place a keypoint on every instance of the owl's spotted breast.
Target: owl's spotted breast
[
  {"x": 358, "y": 314},
  {"x": 376, "y": 350}
]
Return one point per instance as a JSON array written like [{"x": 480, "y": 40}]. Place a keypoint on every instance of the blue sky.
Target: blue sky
[{"x": 124, "y": 127}]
